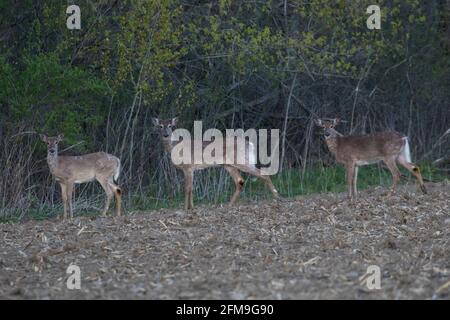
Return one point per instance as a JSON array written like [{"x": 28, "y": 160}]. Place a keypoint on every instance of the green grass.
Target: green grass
[
  {"x": 294, "y": 182},
  {"x": 332, "y": 179},
  {"x": 289, "y": 183}
]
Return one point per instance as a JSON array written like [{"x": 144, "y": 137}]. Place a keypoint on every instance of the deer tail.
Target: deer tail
[
  {"x": 251, "y": 154},
  {"x": 407, "y": 150},
  {"x": 117, "y": 173}
]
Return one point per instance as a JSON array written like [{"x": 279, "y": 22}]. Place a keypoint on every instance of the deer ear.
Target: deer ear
[
  {"x": 43, "y": 137},
  {"x": 318, "y": 122},
  {"x": 155, "y": 121},
  {"x": 174, "y": 121},
  {"x": 336, "y": 121},
  {"x": 60, "y": 137}
]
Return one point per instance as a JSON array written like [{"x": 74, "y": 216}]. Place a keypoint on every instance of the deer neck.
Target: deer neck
[
  {"x": 168, "y": 144},
  {"x": 332, "y": 144},
  {"x": 52, "y": 160},
  {"x": 333, "y": 141}
]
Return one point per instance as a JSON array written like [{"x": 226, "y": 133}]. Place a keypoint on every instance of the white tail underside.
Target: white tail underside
[
  {"x": 407, "y": 150},
  {"x": 251, "y": 154},
  {"x": 116, "y": 175}
]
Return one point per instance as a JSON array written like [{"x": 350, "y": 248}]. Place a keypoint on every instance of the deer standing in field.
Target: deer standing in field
[
  {"x": 166, "y": 128},
  {"x": 354, "y": 151},
  {"x": 70, "y": 170}
]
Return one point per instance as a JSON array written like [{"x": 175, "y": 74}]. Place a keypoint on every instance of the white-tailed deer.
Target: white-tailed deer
[
  {"x": 166, "y": 128},
  {"x": 69, "y": 170},
  {"x": 354, "y": 151}
]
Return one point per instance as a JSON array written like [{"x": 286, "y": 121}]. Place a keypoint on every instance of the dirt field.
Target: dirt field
[{"x": 304, "y": 248}]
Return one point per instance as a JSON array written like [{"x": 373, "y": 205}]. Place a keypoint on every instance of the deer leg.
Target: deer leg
[
  {"x": 395, "y": 174},
  {"x": 118, "y": 195},
  {"x": 269, "y": 184},
  {"x": 187, "y": 200},
  {"x": 355, "y": 182},
  {"x": 414, "y": 169},
  {"x": 69, "y": 191},
  {"x": 350, "y": 170},
  {"x": 109, "y": 194},
  {"x": 64, "y": 198},
  {"x": 191, "y": 196},
  {"x": 238, "y": 182},
  {"x": 257, "y": 173},
  {"x": 188, "y": 181}
]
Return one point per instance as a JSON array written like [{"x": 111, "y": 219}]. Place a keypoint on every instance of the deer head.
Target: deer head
[
  {"x": 52, "y": 142},
  {"x": 165, "y": 126},
  {"x": 328, "y": 127}
]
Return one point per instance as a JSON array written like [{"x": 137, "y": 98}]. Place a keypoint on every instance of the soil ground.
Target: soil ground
[{"x": 309, "y": 247}]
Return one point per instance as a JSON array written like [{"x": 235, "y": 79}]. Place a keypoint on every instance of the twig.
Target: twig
[
  {"x": 72, "y": 146},
  {"x": 28, "y": 244},
  {"x": 22, "y": 133},
  {"x": 437, "y": 143},
  {"x": 443, "y": 287},
  {"x": 286, "y": 121}
]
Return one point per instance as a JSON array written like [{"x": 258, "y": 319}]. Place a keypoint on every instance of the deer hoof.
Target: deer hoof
[
  {"x": 391, "y": 192},
  {"x": 424, "y": 190},
  {"x": 279, "y": 199}
]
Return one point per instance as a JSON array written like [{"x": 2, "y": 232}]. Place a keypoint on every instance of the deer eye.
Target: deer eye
[
  {"x": 161, "y": 126},
  {"x": 169, "y": 126}
]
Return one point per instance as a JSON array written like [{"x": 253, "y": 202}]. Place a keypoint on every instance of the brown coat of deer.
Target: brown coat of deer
[
  {"x": 166, "y": 128},
  {"x": 390, "y": 147},
  {"x": 70, "y": 170}
]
